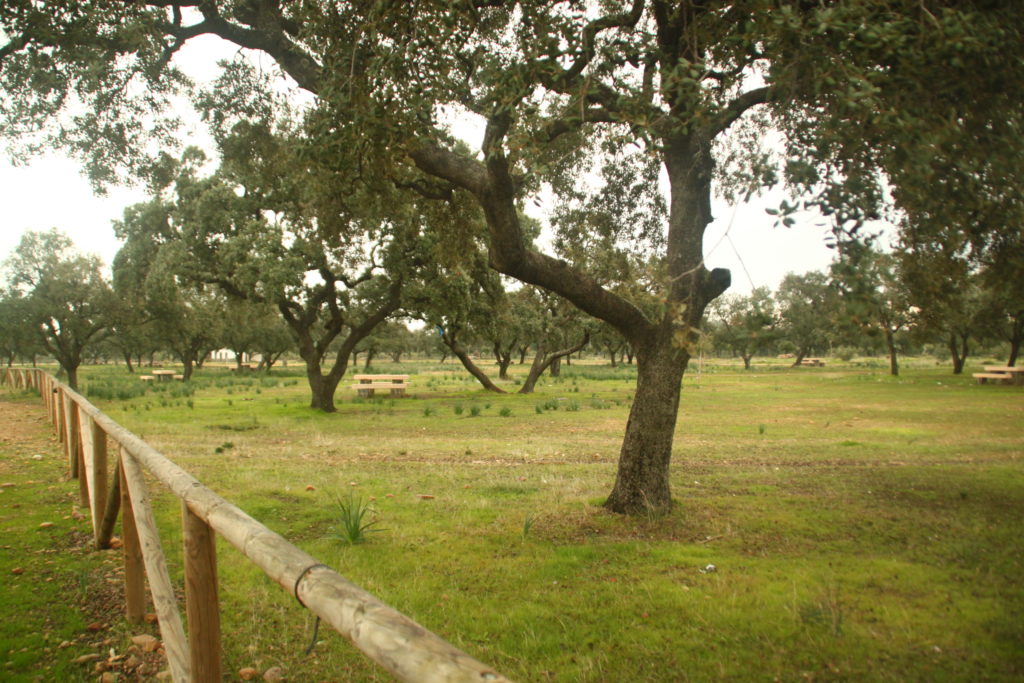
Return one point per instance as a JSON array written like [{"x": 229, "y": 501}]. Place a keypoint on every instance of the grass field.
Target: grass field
[{"x": 861, "y": 527}]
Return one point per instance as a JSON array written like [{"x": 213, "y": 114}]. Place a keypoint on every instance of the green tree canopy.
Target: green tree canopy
[{"x": 66, "y": 299}]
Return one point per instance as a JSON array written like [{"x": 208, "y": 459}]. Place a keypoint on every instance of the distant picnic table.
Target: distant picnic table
[
  {"x": 812, "y": 362},
  {"x": 1001, "y": 374},
  {"x": 161, "y": 376},
  {"x": 366, "y": 385}
]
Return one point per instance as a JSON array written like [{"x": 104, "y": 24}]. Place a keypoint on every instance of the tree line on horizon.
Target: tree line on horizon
[{"x": 56, "y": 302}]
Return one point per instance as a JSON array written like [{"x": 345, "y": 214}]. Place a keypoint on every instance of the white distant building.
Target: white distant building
[{"x": 229, "y": 356}]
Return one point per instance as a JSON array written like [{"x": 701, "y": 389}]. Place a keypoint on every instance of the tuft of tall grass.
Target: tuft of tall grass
[{"x": 353, "y": 523}]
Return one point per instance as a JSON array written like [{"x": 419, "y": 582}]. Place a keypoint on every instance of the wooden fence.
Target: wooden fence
[{"x": 112, "y": 484}]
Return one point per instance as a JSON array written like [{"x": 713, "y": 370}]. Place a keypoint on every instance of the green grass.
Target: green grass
[{"x": 862, "y": 526}]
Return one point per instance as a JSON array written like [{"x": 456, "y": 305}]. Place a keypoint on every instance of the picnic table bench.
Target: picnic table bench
[
  {"x": 366, "y": 385},
  {"x": 1000, "y": 374},
  {"x": 812, "y": 362},
  {"x": 161, "y": 376}
]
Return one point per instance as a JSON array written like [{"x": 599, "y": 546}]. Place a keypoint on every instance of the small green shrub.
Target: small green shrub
[
  {"x": 505, "y": 412},
  {"x": 458, "y": 409}
]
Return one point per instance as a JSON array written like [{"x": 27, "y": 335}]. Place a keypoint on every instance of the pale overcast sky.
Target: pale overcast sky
[{"x": 51, "y": 193}]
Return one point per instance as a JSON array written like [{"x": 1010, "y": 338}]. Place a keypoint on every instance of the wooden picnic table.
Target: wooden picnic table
[
  {"x": 367, "y": 379},
  {"x": 163, "y": 375},
  {"x": 1010, "y": 374},
  {"x": 395, "y": 385}
]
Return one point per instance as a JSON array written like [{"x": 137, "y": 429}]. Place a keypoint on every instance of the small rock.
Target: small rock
[
  {"x": 108, "y": 677},
  {"x": 147, "y": 642},
  {"x": 65, "y": 644},
  {"x": 310, "y": 487},
  {"x": 425, "y": 496},
  {"x": 18, "y": 570},
  {"x": 85, "y": 659},
  {"x": 248, "y": 673},
  {"x": 46, "y": 525},
  {"x": 150, "y": 618},
  {"x": 7, "y": 485},
  {"x": 37, "y": 457},
  {"x": 95, "y": 627},
  {"x": 274, "y": 674}
]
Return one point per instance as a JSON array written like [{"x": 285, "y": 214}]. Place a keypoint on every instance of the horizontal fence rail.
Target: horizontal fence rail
[{"x": 400, "y": 645}]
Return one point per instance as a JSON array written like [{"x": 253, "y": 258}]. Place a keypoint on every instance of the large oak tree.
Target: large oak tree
[{"x": 856, "y": 88}]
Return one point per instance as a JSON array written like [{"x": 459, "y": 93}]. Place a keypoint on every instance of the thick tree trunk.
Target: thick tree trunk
[
  {"x": 958, "y": 350},
  {"x": 72, "y": 371},
  {"x": 536, "y": 370},
  {"x": 504, "y": 359},
  {"x": 642, "y": 482},
  {"x": 189, "y": 364},
  {"x": 894, "y": 363},
  {"x": 321, "y": 388},
  {"x": 746, "y": 360},
  {"x": 457, "y": 349},
  {"x": 543, "y": 360},
  {"x": 556, "y": 366},
  {"x": 238, "y": 360},
  {"x": 128, "y": 361},
  {"x": 523, "y": 350},
  {"x": 1016, "y": 337}
]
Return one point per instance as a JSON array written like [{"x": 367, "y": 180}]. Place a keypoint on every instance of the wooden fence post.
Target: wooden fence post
[
  {"x": 62, "y": 432},
  {"x": 98, "y": 492},
  {"x": 160, "y": 587},
  {"x": 113, "y": 507},
  {"x": 73, "y": 444},
  {"x": 87, "y": 473},
  {"x": 51, "y": 395},
  {"x": 44, "y": 394},
  {"x": 202, "y": 606},
  {"x": 134, "y": 571}
]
